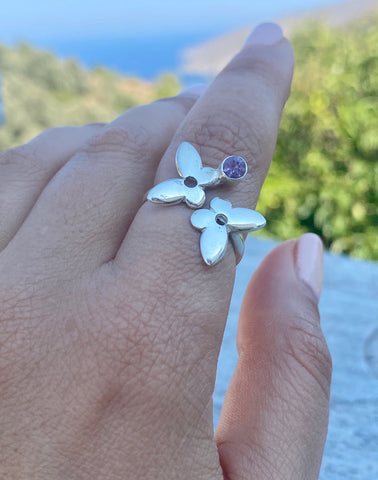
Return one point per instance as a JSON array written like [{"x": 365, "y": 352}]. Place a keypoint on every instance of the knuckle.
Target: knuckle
[
  {"x": 22, "y": 154},
  {"x": 6, "y": 157},
  {"x": 185, "y": 103},
  {"x": 22, "y": 163},
  {"x": 228, "y": 132},
  {"x": 250, "y": 62},
  {"x": 307, "y": 348},
  {"x": 132, "y": 141},
  {"x": 28, "y": 154}
]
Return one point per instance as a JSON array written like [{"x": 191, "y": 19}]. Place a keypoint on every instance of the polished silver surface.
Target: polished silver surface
[
  {"x": 238, "y": 242},
  {"x": 174, "y": 191},
  {"x": 190, "y": 188},
  {"x": 218, "y": 222}
]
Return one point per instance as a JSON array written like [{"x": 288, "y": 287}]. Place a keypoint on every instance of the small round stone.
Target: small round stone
[{"x": 234, "y": 167}]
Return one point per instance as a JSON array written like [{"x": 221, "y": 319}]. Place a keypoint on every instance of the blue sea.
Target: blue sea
[{"x": 142, "y": 56}]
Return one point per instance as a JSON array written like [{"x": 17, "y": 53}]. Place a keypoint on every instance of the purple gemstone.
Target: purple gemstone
[{"x": 234, "y": 167}]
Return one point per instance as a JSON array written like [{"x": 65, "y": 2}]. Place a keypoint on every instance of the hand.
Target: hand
[{"x": 111, "y": 323}]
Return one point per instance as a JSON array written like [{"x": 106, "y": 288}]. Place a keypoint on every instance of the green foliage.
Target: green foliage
[
  {"x": 167, "y": 85},
  {"x": 41, "y": 91},
  {"x": 324, "y": 176}
]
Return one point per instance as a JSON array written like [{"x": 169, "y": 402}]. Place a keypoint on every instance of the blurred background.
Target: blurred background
[{"x": 70, "y": 63}]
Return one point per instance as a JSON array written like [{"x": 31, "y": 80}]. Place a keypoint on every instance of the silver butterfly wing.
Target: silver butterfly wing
[
  {"x": 200, "y": 219},
  {"x": 213, "y": 243},
  {"x": 169, "y": 192},
  {"x": 189, "y": 164},
  {"x": 188, "y": 160},
  {"x": 245, "y": 220}
]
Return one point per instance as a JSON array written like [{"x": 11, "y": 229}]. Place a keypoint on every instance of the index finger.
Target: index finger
[{"x": 159, "y": 260}]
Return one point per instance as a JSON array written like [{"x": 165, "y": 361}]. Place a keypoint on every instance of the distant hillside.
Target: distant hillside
[
  {"x": 42, "y": 91},
  {"x": 209, "y": 58}
]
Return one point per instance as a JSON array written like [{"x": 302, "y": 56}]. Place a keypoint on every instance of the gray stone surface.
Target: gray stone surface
[{"x": 349, "y": 310}]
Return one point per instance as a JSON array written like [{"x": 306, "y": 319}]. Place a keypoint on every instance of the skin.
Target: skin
[{"x": 111, "y": 323}]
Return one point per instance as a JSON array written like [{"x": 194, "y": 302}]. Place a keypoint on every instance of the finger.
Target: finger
[
  {"x": 94, "y": 197},
  {"x": 26, "y": 170},
  {"x": 274, "y": 419},
  {"x": 239, "y": 110},
  {"x": 240, "y": 114}
]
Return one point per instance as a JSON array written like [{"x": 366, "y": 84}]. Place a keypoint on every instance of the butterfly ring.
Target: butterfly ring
[
  {"x": 190, "y": 188},
  {"x": 221, "y": 222}
]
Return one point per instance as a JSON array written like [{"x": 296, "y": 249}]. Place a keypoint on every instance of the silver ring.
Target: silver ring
[
  {"x": 238, "y": 242},
  {"x": 220, "y": 222},
  {"x": 190, "y": 188}
]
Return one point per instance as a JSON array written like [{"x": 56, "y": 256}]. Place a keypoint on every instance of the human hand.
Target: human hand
[{"x": 111, "y": 323}]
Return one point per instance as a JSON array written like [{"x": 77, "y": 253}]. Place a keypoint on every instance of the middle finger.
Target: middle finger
[{"x": 85, "y": 210}]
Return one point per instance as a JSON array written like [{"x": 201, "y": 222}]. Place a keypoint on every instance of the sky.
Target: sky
[{"x": 38, "y": 20}]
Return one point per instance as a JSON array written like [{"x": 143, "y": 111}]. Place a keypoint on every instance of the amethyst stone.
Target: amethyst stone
[{"x": 234, "y": 167}]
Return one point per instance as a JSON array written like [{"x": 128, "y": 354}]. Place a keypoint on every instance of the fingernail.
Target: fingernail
[
  {"x": 309, "y": 262},
  {"x": 194, "y": 90},
  {"x": 265, "y": 34}
]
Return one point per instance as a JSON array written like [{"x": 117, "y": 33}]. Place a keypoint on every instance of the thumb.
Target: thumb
[{"x": 274, "y": 419}]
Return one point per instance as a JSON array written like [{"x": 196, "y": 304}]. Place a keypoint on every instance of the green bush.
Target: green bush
[{"x": 324, "y": 177}]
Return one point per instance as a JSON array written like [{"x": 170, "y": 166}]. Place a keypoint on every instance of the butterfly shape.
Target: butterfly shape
[
  {"x": 190, "y": 187},
  {"x": 219, "y": 222}
]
